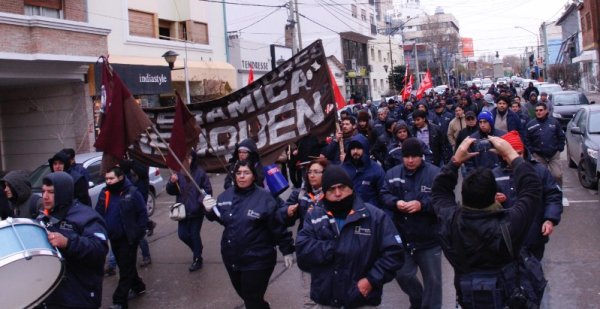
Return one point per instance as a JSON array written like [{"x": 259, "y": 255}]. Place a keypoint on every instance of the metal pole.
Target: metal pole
[
  {"x": 417, "y": 64},
  {"x": 293, "y": 23},
  {"x": 225, "y": 29},
  {"x": 187, "y": 80},
  {"x": 298, "y": 23},
  {"x": 545, "y": 51},
  {"x": 391, "y": 61}
]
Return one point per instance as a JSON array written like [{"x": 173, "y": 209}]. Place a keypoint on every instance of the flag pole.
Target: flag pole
[{"x": 176, "y": 160}]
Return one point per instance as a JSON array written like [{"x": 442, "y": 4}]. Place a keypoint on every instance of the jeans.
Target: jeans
[
  {"x": 188, "y": 231},
  {"x": 251, "y": 286},
  {"x": 429, "y": 261},
  {"x": 144, "y": 248}
]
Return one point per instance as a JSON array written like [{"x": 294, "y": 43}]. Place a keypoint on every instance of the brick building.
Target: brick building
[
  {"x": 45, "y": 51},
  {"x": 589, "y": 12}
]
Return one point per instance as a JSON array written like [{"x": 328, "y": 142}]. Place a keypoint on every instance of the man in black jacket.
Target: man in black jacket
[
  {"x": 471, "y": 234},
  {"x": 432, "y": 136},
  {"x": 60, "y": 162},
  {"x": 124, "y": 210}
]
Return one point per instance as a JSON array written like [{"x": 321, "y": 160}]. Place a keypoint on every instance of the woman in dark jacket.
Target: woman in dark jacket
[
  {"x": 304, "y": 200},
  {"x": 251, "y": 233},
  {"x": 187, "y": 194}
]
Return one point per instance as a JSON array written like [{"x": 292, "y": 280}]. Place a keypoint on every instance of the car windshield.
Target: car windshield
[
  {"x": 550, "y": 88},
  {"x": 36, "y": 177},
  {"x": 594, "y": 123},
  {"x": 569, "y": 99}
]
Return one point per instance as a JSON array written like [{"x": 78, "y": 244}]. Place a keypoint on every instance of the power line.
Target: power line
[{"x": 259, "y": 20}]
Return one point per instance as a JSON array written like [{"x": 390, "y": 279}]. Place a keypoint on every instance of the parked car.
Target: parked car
[
  {"x": 549, "y": 89},
  {"x": 91, "y": 162},
  {"x": 502, "y": 81},
  {"x": 487, "y": 83},
  {"x": 566, "y": 104},
  {"x": 583, "y": 144}
]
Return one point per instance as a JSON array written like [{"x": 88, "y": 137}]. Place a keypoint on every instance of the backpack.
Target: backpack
[{"x": 518, "y": 284}]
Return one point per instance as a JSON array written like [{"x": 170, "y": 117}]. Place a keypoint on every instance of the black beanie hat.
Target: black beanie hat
[
  {"x": 333, "y": 175},
  {"x": 411, "y": 147}
]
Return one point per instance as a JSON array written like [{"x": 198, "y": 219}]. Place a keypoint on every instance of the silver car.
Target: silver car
[{"x": 91, "y": 162}]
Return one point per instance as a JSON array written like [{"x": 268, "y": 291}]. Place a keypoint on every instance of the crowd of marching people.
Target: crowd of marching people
[{"x": 374, "y": 203}]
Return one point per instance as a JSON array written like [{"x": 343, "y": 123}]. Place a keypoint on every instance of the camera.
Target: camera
[{"x": 481, "y": 145}]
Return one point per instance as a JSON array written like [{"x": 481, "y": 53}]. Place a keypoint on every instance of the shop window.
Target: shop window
[
  {"x": 142, "y": 24},
  {"x": 46, "y": 8}
]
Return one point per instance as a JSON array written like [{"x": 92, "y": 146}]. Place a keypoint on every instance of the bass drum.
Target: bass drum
[{"x": 30, "y": 267}]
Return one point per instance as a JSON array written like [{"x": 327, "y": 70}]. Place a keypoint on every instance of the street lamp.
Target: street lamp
[
  {"x": 538, "y": 43},
  {"x": 170, "y": 57}
]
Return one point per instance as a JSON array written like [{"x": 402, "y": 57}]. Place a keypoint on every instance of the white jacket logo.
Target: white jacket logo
[{"x": 253, "y": 214}]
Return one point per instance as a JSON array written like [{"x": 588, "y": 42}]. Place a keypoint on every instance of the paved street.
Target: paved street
[{"x": 572, "y": 264}]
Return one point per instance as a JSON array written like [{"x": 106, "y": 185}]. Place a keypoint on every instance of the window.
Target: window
[
  {"x": 198, "y": 32},
  {"x": 166, "y": 29},
  {"x": 375, "y": 84},
  {"x": 46, "y": 8},
  {"x": 379, "y": 55},
  {"x": 372, "y": 54},
  {"x": 372, "y": 19},
  {"x": 588, "y": 21},
  {"x": 183, "y": 33},
  {"x": 363, "y": 15},
  {"x": 582, "y": 23},
  {"x": 141, "y": 24},
  {"x": 354, "y": 10}
]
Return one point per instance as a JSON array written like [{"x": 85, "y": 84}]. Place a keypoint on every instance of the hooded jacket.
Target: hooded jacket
[
  {"x": 480, "y": 243},
  {"x": 186, "y": 192},
  {"x": 87, "y": 247},
  {"x": 23, "y": 204},
  {"x": 552, "y": 195},
  {"x": 80, "y": 183},
  {"x": 253, "y": 156},
  {"x": 367, "y": 178},
  {"x": 126, "y": 214},
  {"x": 394, "y": 156},
  {"x": 512, "y": 120},
  {"x": 252, "y": 229},
  {"x": 367, "y": 246},
  {"x": 418, "y": 230}
]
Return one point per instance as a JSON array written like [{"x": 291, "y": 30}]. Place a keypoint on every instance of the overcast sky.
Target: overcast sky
[{"x": 491, "y": 23}]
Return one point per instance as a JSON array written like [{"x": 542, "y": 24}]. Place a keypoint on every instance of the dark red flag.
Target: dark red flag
[
  {"x": 123, "y": 119},
  {"x": 185, "y": 134}
]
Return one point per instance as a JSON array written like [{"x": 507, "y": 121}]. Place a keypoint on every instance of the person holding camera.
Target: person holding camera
[{"x": 471, "y": 234}]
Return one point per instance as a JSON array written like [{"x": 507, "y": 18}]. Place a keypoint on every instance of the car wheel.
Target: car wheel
[
  {"x": 569, "y": 160},
  {"x": 151, "y": 203},
  {"x": 586, "y": 182}
]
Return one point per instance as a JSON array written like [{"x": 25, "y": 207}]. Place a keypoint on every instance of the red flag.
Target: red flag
[
  {"x": 405, "y": 74},
  {"x": 425, "y": 84},
  {"x": 251, "y": 75},
  {"x": 184, "y": 134},
  {"x": 407, "y": 89},
  {"x": 339, "y": 99},
  {"x": 123, "y": 119}
]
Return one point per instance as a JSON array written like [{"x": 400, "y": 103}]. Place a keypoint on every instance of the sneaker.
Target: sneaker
[
  {"x": 110, "y": 271},
  {"x": 146, "y": 261},
  {"x": 197, "y": 264},
  {"x": 151, "y": 227}
]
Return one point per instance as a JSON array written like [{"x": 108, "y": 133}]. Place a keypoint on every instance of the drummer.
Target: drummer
[{"x": 79, "y": 233}]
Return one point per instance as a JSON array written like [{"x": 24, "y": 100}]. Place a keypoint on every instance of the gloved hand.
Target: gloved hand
[
  {"x": 209, "y": 202},
  {"x": 288, "y": 260}
]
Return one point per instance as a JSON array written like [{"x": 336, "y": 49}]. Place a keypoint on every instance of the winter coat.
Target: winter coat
[
  {"x": 512, "y": 120},
  {"x": 251, "y": 229},
  {"x": 552, "y": 195},
  {"x": 306, "y": 202},
  {"x": 485, "y": 159},
  {"x": 187, "y": 194},
  {"x": 454, "y": 127},
  {"x": 80, "y": 184},
  {"x": 481, "y": 245},
  {"x": 545, "y": 137},
  {"x": 23, "y": 204},
  {"x": 438, "y": 143},
  {"x": 442, "y": 120},
  {"x": 367, "y": 179},
  {"x": 367, "y": 246},
  {"x": 331, "y": 151},
  {"x": 130, "y": 217},
  {"x": 418, "y": 230},
  {"x": 81, "y": 286}
]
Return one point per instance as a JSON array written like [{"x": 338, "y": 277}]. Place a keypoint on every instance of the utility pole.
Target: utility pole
[
  {"x": 298, "y": 23},
  {"x": 545, "y": 51},
  {"x": 417, "y": 63},
  {"x": 391, "y": 61},
  {"x": 292, "y": 22}
]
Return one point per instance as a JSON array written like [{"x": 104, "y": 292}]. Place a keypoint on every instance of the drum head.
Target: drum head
[{"x": 27, "y": 283}]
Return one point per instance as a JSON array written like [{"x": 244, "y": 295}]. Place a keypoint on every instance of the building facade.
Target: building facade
[{"x": 589, "y": 13}]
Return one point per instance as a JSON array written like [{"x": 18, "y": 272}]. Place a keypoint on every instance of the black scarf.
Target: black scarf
[{"x": 340, "y": 209}]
